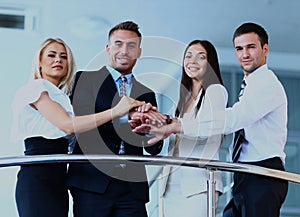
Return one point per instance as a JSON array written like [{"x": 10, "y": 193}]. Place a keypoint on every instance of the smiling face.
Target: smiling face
[
  {"x": 249, "y": 52},
  {"x": 123, "y": 50},
  {"x": 195, "y": 62},
  {"x": 54, "y": 63}
]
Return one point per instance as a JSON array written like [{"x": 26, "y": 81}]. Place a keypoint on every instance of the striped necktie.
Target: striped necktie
[
  {"x": 122, "y": 93},
  {"x": 123, "y": 86},
  {"x": 239, "y": 136}
]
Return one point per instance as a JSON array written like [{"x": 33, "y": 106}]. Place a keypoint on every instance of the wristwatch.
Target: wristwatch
[{"x": 169, "y": 119}]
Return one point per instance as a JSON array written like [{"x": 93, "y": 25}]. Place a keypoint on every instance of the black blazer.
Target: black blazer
[{"x": 95, "y": 91}]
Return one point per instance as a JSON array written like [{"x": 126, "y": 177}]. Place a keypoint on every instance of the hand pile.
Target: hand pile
[{"x": 147, "y": 119}]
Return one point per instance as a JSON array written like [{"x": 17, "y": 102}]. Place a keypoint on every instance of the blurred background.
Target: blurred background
[{"x": 167, "y": 26}]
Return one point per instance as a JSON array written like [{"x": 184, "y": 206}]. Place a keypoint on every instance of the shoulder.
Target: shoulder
[
  {"x": 93, "y": 73},
  {"x": 262, "y": 77},
  {"x": 31, "y": 91},
  {"x": 37, "y": 86},
  {"x": 265, "y": 80},
  {"x": 216, "y": 88},
  {"x": 141, "y": 86},
  {"x": 90, "y": 79},
  {"x": 217, "y": 93}
]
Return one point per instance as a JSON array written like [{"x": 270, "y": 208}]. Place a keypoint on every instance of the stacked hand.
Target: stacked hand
[
  {"x": 147, "y": 119},
  {"x": 146, "y": 114},
  {"x": 126, "y": 104}
]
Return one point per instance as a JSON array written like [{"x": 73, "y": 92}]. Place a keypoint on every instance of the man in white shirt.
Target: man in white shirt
[{"x": 261, "y": 113}]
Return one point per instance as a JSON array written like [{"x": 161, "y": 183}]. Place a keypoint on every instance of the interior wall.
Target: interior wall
[{"x": 84, "y": 27}]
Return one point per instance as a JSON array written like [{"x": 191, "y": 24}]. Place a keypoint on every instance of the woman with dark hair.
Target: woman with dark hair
[
  {"x": 201, "y": 93},
  {"x": 211, "y": 75}
]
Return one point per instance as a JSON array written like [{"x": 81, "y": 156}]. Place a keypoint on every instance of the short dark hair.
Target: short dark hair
[
  {"x": 126, "y": 25},
  {"x": 252, "y": 27}
]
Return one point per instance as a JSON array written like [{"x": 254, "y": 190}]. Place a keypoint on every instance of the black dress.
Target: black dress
[{"x": 41, "y": 188}]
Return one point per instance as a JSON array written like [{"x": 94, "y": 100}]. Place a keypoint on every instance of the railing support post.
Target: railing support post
[{"x": 211, "y": 195}]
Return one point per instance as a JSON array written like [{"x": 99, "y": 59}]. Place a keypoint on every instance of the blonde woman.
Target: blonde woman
[{"x": 45, "y": 121}]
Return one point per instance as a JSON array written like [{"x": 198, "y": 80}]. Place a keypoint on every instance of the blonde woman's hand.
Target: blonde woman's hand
[
  {"x": 146, "y": 107},
  {"x": 125, "y": 105}
]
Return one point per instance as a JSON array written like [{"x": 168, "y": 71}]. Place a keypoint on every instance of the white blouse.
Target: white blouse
[
  {"x": 190, "y": 180},
  {"x": 29, "y": 122}
]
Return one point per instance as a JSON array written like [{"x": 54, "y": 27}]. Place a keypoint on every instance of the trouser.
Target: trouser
[
  {"x": 117, "y": 201},
  {"x": 255, "y": 195}
]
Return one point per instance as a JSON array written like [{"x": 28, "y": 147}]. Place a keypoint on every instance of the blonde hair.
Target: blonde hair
[{"x": 66, "y": 82}]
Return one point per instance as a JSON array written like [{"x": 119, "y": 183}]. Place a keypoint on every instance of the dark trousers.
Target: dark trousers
[
  {"x": 41, "y": 189},
  {"x": 257, "y": 196},
  {"x": 117, "y": 201}
]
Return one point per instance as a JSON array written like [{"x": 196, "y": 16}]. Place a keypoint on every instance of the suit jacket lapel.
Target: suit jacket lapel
[
  {"x": 134, "y": 88},
  {"x": 108, "y": 93},
  {"x": 138, "y": 91}
]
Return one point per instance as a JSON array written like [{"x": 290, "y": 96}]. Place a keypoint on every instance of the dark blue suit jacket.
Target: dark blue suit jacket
[{"x": 95, "y": 91}]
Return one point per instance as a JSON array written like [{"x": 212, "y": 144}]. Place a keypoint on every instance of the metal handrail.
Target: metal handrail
[
  {"x": 151, "y": 160},
  {"x": 210, "y": 165}
]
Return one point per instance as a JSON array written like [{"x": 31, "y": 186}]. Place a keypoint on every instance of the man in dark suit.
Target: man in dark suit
[{"x": 111, "y": 189}]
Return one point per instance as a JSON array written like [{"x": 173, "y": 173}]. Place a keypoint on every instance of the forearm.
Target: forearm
[{"x": 89, "y": 122}]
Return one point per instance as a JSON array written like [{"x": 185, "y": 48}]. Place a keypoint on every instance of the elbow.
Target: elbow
[
  {"x": 68, "y": 128},
  {"x": 69, "y": 131}
]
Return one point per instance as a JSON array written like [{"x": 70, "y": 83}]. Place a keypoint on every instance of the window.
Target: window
[
  {"x": 16, "y": 18},
  {"x": 12, "y": 21}
]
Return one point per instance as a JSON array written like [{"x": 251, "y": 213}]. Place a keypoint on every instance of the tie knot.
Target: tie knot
[{"x": 124, "y": 79}]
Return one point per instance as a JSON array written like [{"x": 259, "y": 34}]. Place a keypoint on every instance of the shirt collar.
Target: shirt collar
[
  {"x": 255, "y": 73},
  {"x": 116, "y": 75}
]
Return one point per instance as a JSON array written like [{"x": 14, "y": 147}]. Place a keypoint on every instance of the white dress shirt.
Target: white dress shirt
[
  {"x": 118, "y": 80},
  {"x": 261, "y": 111}
]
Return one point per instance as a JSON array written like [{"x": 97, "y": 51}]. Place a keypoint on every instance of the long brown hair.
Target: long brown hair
[{"x": 212, "y": 76}]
